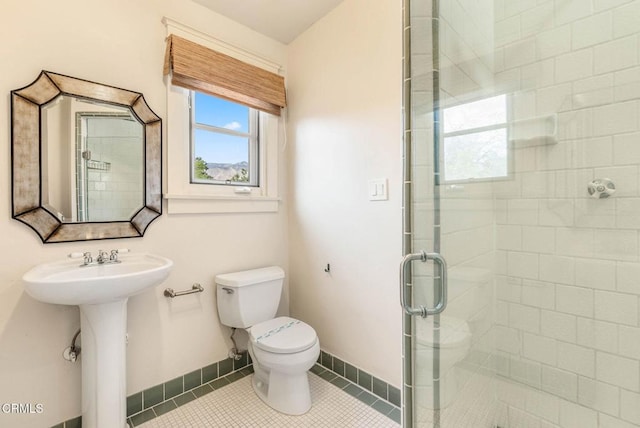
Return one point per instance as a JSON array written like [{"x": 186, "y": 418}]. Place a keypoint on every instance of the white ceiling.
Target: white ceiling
[{"x": 282, "y": 20}]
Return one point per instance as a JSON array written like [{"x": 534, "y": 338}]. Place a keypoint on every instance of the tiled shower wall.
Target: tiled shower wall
[
  {"x": 116, "y": 193},
  {"x": 568, "y": 274},
  {"x": 566, "y": 266}
]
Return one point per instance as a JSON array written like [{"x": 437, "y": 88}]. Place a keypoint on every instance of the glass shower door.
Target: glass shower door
[{"x": 522, "y": 168}]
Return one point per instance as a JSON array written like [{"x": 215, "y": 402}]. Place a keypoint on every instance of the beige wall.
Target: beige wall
[
  {"x": 344, "y": 129},
  {"x": 122, "y": 44}
]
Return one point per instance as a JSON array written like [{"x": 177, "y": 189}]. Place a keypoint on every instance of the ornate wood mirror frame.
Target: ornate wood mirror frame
[{"x": 27, "y": 160}]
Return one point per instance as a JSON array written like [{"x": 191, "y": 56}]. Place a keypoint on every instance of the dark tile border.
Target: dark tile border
[
  {"x": 365, "y": 396},
  {"x": 160, "y": 399},
  {"x": 365, "y": 380}
]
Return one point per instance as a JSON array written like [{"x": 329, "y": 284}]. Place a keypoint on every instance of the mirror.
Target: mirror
[{"x": 86, "y": 160}]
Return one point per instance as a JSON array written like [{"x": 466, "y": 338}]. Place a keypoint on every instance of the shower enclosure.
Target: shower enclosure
[{"x": 522, "y": 155}]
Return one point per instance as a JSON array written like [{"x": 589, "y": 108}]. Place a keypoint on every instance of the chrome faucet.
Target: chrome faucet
[{"x": 103, "y": 257}]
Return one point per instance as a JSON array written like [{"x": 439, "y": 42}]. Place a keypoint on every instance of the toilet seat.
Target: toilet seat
[
  {"x": 454, "y": 332},
  {"x": 283, "y": 335}
]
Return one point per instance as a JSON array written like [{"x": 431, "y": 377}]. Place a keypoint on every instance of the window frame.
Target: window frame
[
  {"x": 503, "y": 125},
  {"x": 254, "y": 144}
]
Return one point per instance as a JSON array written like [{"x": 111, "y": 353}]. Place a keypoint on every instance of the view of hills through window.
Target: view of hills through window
[{"x": 221, "y": 146}]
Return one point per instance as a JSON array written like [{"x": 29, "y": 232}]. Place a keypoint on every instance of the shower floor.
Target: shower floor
[{"x": 236, "y": 405}]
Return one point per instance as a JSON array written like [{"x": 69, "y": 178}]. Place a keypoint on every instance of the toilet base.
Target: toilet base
[{"x": 284, "y": 393}]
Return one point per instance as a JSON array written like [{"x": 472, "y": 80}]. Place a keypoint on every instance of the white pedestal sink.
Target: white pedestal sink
[{"x": 101, "y": 291}]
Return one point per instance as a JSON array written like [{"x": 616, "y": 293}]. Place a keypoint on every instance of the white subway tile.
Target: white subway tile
[
  {"x": 599, "y": 396},
  {"x": 522, "y": 265},
  {"x": 616, "y": 55},
  {"x": 524, "y": 318},
  {"x": 615, "y": 118},
  {"x": 539, "y": 74},
  {"x": 575, "y": 124},
  {"x": 577, "y": 359},
  {"x": 575, "y": 416},
  {"x": 554, "y": 99},
  {"x": 555, "y": 157},
  {"x": 538, "y": 19},
  {"x": 574, "y": 300},
  {"x": 559, "y": 212},
  {"x": 628, "y": 277},
  {"x": 625, "y": 19},
  {"x": 626, "y": 149},
  {"x": 598, "y": 334},
  {"x": 571, "y": 10},
  {"x": 630, "y": 406},
  {"x": 592, "y": 30},
  {"x": 502, "y": 313},
  {"x": 595, "y": 273},
  {"x": 508, "y": 237},
  {"x": 574, "y": 65},
  {"x": 595, "y": 213},
  {"x": 601, "y": 5},
  {"x": 523, "y": 105},
  {"x": 539, "y": 239},
  {"x": 627, "y": 84},
  {"x": 575, "y": 242},
  {"x": 616, "y": 307},
  {"x": 553, "y": 42},
  {"x": 542, "y": 405},
  {"x": 507, "y": 31},
  {"x": 616, "y": 244},
  {"x": 629, "y": 341},
  {"x": 567, "y": 180},
  {"x": 558, "y": 325},
  {"x": 557, "y": 269},
  {"x": 539, "y": 348},
  {"x": 527, "y": 372},
  {"x": 508, "y": 340},
  {"x": 593, "y": 91},
  {"x": 508, "y": 289},
  {"x": 560, "y": 382},
  {"x": 523, "y": 211},
  {"x": 593, "y": 152},
  {"x": 607, "y": 421},
  {"x": 520, "y": 53},
  {"x": 537, "y": 184},
  {"x": 619, "y": 371}
]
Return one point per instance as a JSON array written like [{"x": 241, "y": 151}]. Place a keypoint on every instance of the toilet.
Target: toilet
[
  {"x": 452, "y": 339},
  {"x": 283, "y": 349}
]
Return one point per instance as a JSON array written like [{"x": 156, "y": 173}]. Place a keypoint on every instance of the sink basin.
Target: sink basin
[
  {"x": 102, "y": 292},
  {"x": 66, "y": 283}
]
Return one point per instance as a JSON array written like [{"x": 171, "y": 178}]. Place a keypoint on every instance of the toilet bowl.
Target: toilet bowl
[
  {"x": 449, "y": 343},
  {"x": 282, "y": 349}
]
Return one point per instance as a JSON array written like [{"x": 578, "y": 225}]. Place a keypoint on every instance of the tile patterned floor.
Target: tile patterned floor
[{"x": 236, "y": 405}]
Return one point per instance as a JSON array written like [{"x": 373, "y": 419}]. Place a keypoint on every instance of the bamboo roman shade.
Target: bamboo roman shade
[{"x": 193, "y": 66}]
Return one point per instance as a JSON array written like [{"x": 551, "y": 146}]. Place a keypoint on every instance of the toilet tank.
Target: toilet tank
[{"x": 248, "y": 297}]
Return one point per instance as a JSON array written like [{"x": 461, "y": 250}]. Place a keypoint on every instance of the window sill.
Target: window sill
[{"x": 202, "y": 204}]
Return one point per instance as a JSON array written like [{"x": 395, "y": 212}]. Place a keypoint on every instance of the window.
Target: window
[
  {"x": 223, "y": 129},
  {"x": 224, "y": 142},
  {"x": 475, "y": 140}
]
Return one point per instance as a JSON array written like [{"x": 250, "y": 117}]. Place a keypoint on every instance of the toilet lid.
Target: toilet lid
[
  {"x": 453, "y": 332},
  {"x": 283, "y": 335}
]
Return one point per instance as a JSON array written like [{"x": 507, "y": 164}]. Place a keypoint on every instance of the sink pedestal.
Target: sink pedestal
[{"x": 104, "y": 382}]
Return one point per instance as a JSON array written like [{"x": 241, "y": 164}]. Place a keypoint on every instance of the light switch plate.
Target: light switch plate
[{"x": 378, "y": 190}]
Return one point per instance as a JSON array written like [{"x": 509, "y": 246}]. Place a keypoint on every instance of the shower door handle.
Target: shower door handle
[{"x": 442, "y": 301}]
